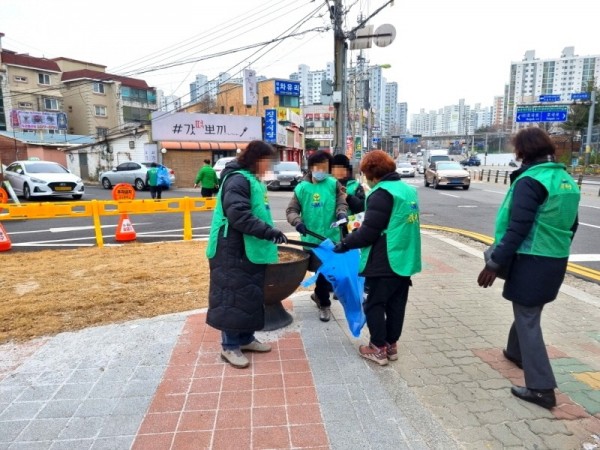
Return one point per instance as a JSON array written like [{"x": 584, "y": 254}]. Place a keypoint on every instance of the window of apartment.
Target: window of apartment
[
  {"x": 20, "y": 79},
  {"x": 100, "y": 110},
  {"x": 43, "y": 78},
  {"x": 265, "y": 100},
  {"x": 289, "y": 102},
  {"x": 101, "y": 132},
  {"x": 25, "y": 105},
  {"x": 51, "y": 104},
  {"x": 231, "y": 109},
  {"x": 222, "y": 110},
  {"x": 99, "y": 88}
]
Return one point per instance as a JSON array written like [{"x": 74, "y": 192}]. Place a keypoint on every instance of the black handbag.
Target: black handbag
[{"x": 504, "y": 271}]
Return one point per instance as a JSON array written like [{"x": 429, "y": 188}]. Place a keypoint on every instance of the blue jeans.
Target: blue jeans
[{"x": 232, "y": 340}]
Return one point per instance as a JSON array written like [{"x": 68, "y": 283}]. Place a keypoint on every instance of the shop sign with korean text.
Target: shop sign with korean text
[{"x": 205, "y": 127}]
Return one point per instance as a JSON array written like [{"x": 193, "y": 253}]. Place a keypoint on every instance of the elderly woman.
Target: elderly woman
[
  {"x": 534, "y": 229},
  {"x": 241, "y": 244},
  {"x": 391, "y": 253}
]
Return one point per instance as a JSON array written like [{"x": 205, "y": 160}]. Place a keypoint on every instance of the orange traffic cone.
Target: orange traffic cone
[
  {"x": 4, "y": 240},
  {"x": 125, "y": 231}
]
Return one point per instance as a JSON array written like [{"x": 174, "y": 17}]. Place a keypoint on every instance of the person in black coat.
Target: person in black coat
[
  {"x": 241, "y": 225},
  {"x": 341, "y": 169},
  {"x": 534, "y": 229}
]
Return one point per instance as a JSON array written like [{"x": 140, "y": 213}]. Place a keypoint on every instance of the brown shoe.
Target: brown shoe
[
  {"x": 392, "y": 351},
  {"x": 374, "y": 353},
  {"x": 235, "y": 357},
  {"x": 314, "y": 298}
]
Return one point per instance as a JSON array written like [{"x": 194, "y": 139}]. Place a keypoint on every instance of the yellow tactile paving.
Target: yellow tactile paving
[{"x": 592, "y": 379}]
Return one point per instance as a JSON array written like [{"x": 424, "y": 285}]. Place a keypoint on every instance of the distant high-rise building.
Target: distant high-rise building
[
  {"x": 203, "y": 86},
  {"x": 311, "y": 83},
  {"x": 562, "y": 76},
  {"x": 498, "y": 113},
  {"x": 389, "y": 117},
  {"x": 401, "y": 119},
  {"x": 167, "y": 102}
]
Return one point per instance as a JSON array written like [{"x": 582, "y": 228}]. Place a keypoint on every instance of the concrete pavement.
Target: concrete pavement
[{"x": 159, "y": 383}]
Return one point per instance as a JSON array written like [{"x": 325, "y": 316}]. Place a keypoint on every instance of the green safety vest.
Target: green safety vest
[
  {"x": 317, "y": 206},
  {"x": 258, "y": 251},
  {"x": 351, "y": 187},
  {"x": 152, "y": 176},
  {"x": 551, "y": 232},
  {"x": 403, "y": 231}
]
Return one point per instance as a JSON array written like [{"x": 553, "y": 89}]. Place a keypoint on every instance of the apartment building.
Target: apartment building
[{"x": 563, "y": 76}]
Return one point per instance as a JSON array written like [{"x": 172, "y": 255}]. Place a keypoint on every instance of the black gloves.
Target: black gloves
[
  {"x": 340, "y": 248},
  {"x": 276, "y": 236},
  {"x": 301, "y": 228}
]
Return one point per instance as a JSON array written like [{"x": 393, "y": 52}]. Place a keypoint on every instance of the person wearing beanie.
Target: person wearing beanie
[{"x": 355, "y": 194}]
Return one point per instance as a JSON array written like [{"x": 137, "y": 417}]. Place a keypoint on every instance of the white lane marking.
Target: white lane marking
[
  {"x": 467, "y": 206},
  {"x": 495, "y": 192},
  {"x": 585, "y": 257},
  {"x": 588, "y": 225},
  {"x": 450, "y": 195},
  {"x": 590, "y": 206}
]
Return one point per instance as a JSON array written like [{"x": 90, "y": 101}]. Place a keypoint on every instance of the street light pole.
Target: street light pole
[
  {"x": 339, "y": 78},
  {"x": 588, "y": 141}
]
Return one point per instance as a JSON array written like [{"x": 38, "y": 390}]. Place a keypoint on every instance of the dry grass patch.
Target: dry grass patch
[{"x": 47, "y": 292}]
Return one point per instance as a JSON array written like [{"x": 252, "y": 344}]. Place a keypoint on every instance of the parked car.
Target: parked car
[
  {"x": 447, "y": 173},
  {"x": 130, "y": 172},
  {"x": 286, "y": 174},
  {"x": 220, "y": 164},
  {"x": 33, "y": 178},
  {"x": 471, "y": 161},
  {"x": 420, "y": 167},
  {"x": 405, "y": 169}
]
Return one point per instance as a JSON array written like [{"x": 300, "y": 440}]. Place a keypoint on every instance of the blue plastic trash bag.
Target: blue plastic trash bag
[
  {"x": 162, "y": 177},
  {"x": 341, "y": 270}
]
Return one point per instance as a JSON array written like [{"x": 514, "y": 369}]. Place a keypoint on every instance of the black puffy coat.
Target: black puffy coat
[
  {"x": 236, "y": 292},
  {"x": 533, "y": 280}
]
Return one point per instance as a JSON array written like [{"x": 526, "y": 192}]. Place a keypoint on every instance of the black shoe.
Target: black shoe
[
  {"x": 544, "y": 398},
  {"x": 314, "y": 298},
  {"x": 515, "y": 361}
]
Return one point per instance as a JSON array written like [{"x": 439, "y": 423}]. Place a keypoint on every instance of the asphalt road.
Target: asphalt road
[{"x": 472, "y": 210}]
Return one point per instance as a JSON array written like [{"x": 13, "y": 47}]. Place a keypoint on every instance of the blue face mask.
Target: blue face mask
[{"x": 320, "y": 176}]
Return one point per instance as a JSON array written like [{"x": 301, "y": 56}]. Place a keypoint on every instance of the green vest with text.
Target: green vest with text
[
  {"x": 551, "y": 232},
  {"x": 317, "y": 206},
  {"x": 403, "y": 232},
  {"x": 258, "y": 251}
]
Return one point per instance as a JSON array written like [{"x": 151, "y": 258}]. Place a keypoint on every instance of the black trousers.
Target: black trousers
[
  {"x": 156, "y": 191},
  {"x": 322, "y": 290},
  {"x": 207, "y": 192},
  {"x": 526, "y": 342},
  {"x": 384, "y": 307}
]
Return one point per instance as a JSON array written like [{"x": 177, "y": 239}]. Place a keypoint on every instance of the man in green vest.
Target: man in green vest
[
  {"x": 318, "y": 201},
  {"x": 390, "y": 243},
  {"x": 152, "y": 182},
  {"x": 207, "y": 179}
]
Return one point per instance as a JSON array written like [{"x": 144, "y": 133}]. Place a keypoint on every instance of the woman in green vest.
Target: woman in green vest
[
  {"x": 534, "y": 229},
  {"x": 355, "y": 194},
  {"x": 390, "y": 239},
  {"x": 318, "y": 201},
  {"x": 242, "y": 242}
]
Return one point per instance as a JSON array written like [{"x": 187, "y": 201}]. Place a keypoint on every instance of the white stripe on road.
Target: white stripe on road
[
  {"x": 588, "y": 225},
  {"x": 450, "y": 195},
  {"x": 590, "y": 206},
  {"x": 585, "y": 257},
  {"x": 495, "y": 192},
  {"x": 467, "y": 206}
]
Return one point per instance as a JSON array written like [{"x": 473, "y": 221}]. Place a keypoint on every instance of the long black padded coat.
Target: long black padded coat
[{"x": 236, "y": 292}]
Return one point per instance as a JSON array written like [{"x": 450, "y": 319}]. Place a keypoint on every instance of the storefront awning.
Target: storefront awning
[{"x": 193, "y": 145}]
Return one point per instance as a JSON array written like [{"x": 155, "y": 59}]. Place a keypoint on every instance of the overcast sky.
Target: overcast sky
[{"x": 443, "y": 51}]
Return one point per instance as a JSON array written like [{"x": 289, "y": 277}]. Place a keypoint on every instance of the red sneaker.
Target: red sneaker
[
  {"x": 392, "y": 351},
  {"x": 374, "y": 353}
]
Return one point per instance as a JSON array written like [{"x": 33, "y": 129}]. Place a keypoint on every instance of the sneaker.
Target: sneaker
[
  {"x": 325, "y": 313},
  {"x": 392, "y": 351},
  {"x": 256, "y": 346},
  {"x": 374, "y": 353},
  {"x": 235, "y": 357}
]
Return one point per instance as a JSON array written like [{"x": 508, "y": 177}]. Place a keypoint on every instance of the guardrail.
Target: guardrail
[
  {"x": 503, "y": 176},
  {"x": 95, "y": 209}
]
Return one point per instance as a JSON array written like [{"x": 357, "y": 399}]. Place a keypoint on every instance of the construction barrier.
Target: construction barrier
[{"x": 95, "y": 209}]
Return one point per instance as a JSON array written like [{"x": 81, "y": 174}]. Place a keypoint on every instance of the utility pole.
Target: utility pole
[
  {"x": 588, "y": 141},
  {"x": 339, "y": 93}
]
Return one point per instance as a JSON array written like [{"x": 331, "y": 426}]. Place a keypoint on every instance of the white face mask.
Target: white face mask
[{"x": 320, "y": 176}]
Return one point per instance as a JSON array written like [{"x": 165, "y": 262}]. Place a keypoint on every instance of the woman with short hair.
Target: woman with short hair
[
  {"x": 242, "y": 242},
  {"x": 390, "y": 239},
  {"x": 534, "y": 229}
]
